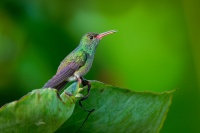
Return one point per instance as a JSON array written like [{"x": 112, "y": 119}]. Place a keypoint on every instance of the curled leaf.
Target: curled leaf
[{"x": 40, "y": 111}]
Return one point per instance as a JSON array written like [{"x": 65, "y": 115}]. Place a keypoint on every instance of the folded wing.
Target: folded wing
[{"x": 59, "y": 80}]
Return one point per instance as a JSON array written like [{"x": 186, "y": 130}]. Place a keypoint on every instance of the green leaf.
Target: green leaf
[
  {"x": 120, "y": 110},
  {"x": 117, "y": 110},
  {"x": 40, "y": 111}
]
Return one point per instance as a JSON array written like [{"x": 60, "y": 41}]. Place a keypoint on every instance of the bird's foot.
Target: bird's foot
[{"x": 85, "y": 83}]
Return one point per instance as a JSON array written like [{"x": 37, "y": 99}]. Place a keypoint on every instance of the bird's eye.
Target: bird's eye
[{"x": 91, "y": 37}]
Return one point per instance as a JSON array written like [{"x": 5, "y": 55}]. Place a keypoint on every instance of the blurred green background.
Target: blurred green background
[{"x": 157, "y": 48}]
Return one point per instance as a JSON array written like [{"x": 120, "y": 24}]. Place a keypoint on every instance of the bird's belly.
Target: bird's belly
[
  {"x": 71, "y": 78},
  {"x": 84, "y": 69}
]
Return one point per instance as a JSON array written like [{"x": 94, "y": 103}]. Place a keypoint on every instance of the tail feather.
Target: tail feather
[
  {"x": 61, "y": 86},
  {"x": 58, "y": 87}
]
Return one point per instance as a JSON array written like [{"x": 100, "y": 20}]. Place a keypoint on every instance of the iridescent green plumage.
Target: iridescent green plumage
[{"x": 78, "y": 62}]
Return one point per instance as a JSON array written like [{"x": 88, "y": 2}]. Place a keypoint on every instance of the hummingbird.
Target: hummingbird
[{"x": 78, "y": 62}]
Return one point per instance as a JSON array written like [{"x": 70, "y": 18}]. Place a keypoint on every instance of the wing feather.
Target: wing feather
[{"x": 62, "y": 75}]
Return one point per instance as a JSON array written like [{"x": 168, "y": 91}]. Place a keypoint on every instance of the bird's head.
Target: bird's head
[{"x": 90, "y": 40}]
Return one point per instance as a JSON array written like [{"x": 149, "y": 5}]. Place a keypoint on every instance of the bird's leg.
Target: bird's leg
[
  {"x": 79, "y": 80},
  {"x": 85, "y": 83}
]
